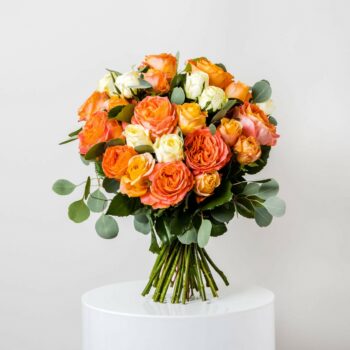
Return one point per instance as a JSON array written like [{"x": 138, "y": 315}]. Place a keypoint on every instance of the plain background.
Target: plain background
[{"x": 52, "y": 55}]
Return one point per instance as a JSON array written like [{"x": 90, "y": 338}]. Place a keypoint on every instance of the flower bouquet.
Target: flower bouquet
[{"x": 174, "y": 148}]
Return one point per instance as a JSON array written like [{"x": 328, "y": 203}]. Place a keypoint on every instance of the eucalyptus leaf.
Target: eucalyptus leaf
[
  {"x": 275, "y": 206},
  {"x": 142, "y": 224},
  {"x": 245, "y": 207},
  {"x": 87, "y": 187},
  {"x": 106, "y": 227},
  {"x": 110, "y": 185},
  {"x": 268, "y": 189},
  {"x": 190, "y": 236},
  {"x": 78, "y": 211},
  {"x": 212, "y": 129},
  {"x": 251, "y": 189},
  {"x": 224, "y": 213},
  {"x": 63, "y": 187},
  {"x": 220, "y": 114},
  {"x": 95, "y": 151},
  {"x": 272, "y": 120},
  {"x": 178, "y": 96},
  {"x": 204, "y": 233},
  {"x": 97, "y": 201},
  {"x": 261, "y": 91},
  {"x": 142, "y": 84},
  {"x": 262, "y": 217},
  {"x": 144, "y": 149}
]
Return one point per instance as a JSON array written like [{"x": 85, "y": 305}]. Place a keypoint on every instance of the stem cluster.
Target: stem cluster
[{"x": 185, "y": 268}]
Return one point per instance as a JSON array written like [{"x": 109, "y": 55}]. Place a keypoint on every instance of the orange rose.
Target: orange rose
[
  {"x": 230, "y": 130},
  {"x": 191, "y": 117},
  {"x": 238, "y": 90},
  {"x": 205, "y": 184},
  {"x": 96, "y": 102},
  {"x": 247, "y": 150},
  {"x": 115, "y": 101},
  {"x": 164, "y": 62},
  {"x": 155, "y": 114},
  {"x": 256, "y": 123},
  {"x": 170, "y": 182},
  {"x": 158, "y": 80},
  {"x": 217, "y": 76},
  {"x": 135, "y": 182},
  {"x": 98, "y": 128},
  {"x": 115, "y": 161},
  {"x": 206, "y": 152}
]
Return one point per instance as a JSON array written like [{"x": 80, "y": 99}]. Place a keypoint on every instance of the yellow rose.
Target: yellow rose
[
  {"x": 137, "y": 135},
  {"x": 191, "y": 117},
  {"x": 169, "y": 148},
  {"x": 206, "y": 183},
  {"x": 135, "y": 182},
  {"x": 230, "y": 130},
  {"x": 247, "y": 149}
]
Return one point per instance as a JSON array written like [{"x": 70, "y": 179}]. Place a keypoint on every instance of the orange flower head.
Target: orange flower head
[
  {"x": 205, "y": 184},
  {"x": 98, "y": 101},
  {"x": 238, "y": 90},
  {"x": 191, "y": 117},
  {"x": 163, "y": 62},
  {"x": 116, "y": 100},
  {"x": 230, "y": 130},
  {"x": 158, "y": 80},
  {"x": 247, "y": 150}
]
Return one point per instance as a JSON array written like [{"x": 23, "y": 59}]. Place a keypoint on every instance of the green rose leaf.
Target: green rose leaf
[
  {"x": 122, "y": 113},
  {"x": 178, "y": 96},
  {"x": 142, "y": 224},
  {"x": 110, "y": 185},
  {"x": 154, "y": 247},
  {"x": 190, "y": 236},
  {"x": 180, "y": 222},
  {"x": 67, "y": 141},
  {"x": 144, "y": 149},
  {"x": 262, "y": 217},
  {"x": 63, "y": 187},
  {"x": 221, "y": 196},
  {"x": 224, "y": 213},
  {"x": 78, "y": 211},
  {"x": 97, "y": 202},
  {"x": 212, "y": 129},
  {"x": 121, "y": 205},
  {"x": 84, "y": 160},
  {"x": 245, "y": 207},
  {"x": 275, "y": 206},
  {"x": 223, "y": 111},
  {"x": 268, "y": 189},
  {"x": 75, "y": 133},
  {"x": 95, "y": 151},
  {"x": 106, "y": 227},
  {"x": 87, "y": 187},
  {"x": 116, "y": 142},
  {"x": 218, "y": 229},
  {"x": 178, "y": 80},
  {"x": 261, "y": 91},
  {"x": 272, "y": 120},
  {"x": 204, "y": 233}
]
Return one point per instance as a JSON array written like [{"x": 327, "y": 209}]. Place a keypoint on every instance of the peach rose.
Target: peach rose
[
  {"x": 230, "y": 130},
  {"x": 170, "y": 182},
  {"x": 98, "y": 128},
  {"x": 163, "y": 62},
  {"x": 115, "y": 101},
  {"x": 191, "y": 117},
  {"x": 206, "y": 152},
  {"x": 155, "y": 114},
  {"x": 205, "y": 184},
  {"x": 158, "y": 80},
  {"x": 238, "y": 90},
  {"x": 115, "y": 161},
  {"x": 135, "y": 182},
  {"x": 98, "y": 101},
  {"x": 217, "y": 76},
  {"x": 247, "y": 149},
  {"x": 256, "y": 123}
]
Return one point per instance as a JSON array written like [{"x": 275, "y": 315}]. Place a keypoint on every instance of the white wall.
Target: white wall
[{"x": 53, "y": 53}]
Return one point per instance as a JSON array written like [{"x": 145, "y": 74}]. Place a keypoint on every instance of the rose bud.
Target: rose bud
[{"x": 247, "y": 150}]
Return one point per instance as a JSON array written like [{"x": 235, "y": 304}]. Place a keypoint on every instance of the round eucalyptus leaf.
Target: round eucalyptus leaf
[
  {"x": 106, "y": 227},
  {"x": 142, "y": 224},
  {"x": 268, "y": 189},
  {"x": 204, "y": 233},
  {"x": 178, "y": 96},
  {"x": 261, "y": 91},
  {"x": 97, "y": 201},
  {"x": 63, "y": 187},
  {"x": 78, "y": 211},
  {"x": 251, "y": 189},
  {"x": 190, "y": 236},
  {"x": 275, "y": 206},
  {"x": 224, "y": 213},
  {"x": 212, "y": 129},
  {"x": 262, "y": 217}
]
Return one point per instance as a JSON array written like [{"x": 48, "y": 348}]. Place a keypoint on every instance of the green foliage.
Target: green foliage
[
  {"x": 154, "y": 247},
  {"x": 142, "y": 84},
  {"x": 122, "y": 205},
  {"x": 223, "y": 213},
  {"x": 245, "y": 207},
  {"x": 268, "y": 189},
  {"x": 275, "y": 206},
  {"x": 67, "y": 141},
  {"x": 106, "y": 227},
  {"x": 75, "y": 133},
  {"x": 180, "y": 222},
  {"x": 261, "y": 91},
  {"x": 261, "y": 162},
  {"x": 78, "y": 211},
  {"x": 221, "y": 196},
  {"x": 84, "y": 160},
  {"x": 204, "y": 233},
  {"x": 212, "y": 129},
  {"x": 251, "y": 189},
  {"x": 224, "y": 110},
  {"x": 95, "y": 151},
  {"x": 99, "y": 169},
  {"x": 178, "y": 81},
  {"x": 262, "y": 217},
  {"x": 144, "y": 149},
  {"x": 97, "y": 201},
  {"x": 222, "y": 66},
  {"x": 110, "y": 185},
  {"x": 190, "y": 236},
  {"x": 217, "y": 229},
  {"x": 63, "y": 187},
  {"x": 115, "y": 142},
  {"x": 122, "y": 113},
  {"x": 142, "y": 224},
  {"x": 87, "y": 187},
  {"x": 178, "y": 96},
  {"x": 272, "y": 120}
]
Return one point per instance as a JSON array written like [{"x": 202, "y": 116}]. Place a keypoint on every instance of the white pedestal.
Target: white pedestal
[{"x": 116, "y": 317}]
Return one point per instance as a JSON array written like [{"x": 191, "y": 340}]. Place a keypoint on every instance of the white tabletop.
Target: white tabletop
[{"x": 125, "y": 299}]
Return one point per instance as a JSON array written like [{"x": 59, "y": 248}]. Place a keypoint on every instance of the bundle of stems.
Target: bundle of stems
[{"x": 185, "y": 268}]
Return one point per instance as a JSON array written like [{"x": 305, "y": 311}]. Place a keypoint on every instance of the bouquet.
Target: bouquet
[{"x": 174, "y": 148}]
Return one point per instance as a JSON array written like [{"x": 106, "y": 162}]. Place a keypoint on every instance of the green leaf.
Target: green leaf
[
  {"x": 251, "y": 189},
  {"x": 268, "y": 189},
  {"x": 99, "y": 169},
  {"x": 97, "y": 201},
  {"x": 190, "y": 236},
  {"x": 180, "y": 222},
  {"x": 144, "y": 149},
  {"x": 245, "y": 207},
  {"x": 67, "y": 141},
  {"x": 122, "y": 113},
  {"x": 224, "y": 213},
  {"x": 272, "y": 120},
  {"x": 162, "y": 231},
  {"x": 275, "y": 206},
  {"x": 178, "y": 96},
  {"x": 110, "y": 185},
  {"x": 212, "y": 129},
  {"x": 218, "y": 229},
  {"x": 261, "y": 162},
  {"x": 87, "y": 187},
  {"x": 262, "y": 217},
  {"x": 154, "y": 247},
  {"x": 95, "y": 151},
  {"x": 75, "y": 133},
  {"x": 142, "y": 224},
  {"x": 178, "y": 80},
  {"x": 78, "y": 211},
  {"x": 204, "y": 233},
  {"x": 142, "y": 84},
  {"x": 221, "y": 66},
  {"x": 221, "y": 196},
  {"x": 106, "y": 227},
  {"x": 116, "y": 142},
  {"x": 261, "y": 91},
  {"x": 84, "y": 160},
  {"x": 63, "y": 187},
  {"x": 220, "y": 114},
  {"x": 122, "y": 205}
]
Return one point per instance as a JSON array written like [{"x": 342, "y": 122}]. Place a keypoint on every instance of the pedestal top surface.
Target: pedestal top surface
[{"x": 125, "y": 299}]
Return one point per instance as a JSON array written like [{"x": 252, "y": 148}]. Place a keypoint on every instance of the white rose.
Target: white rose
[
  {"x": 195, "y": 84},
  {"x": 137, "y": 135},
  {"x": 124, "y": 81},
  {"x": 106, "y": 84},
  {"x": 169, "y": 148},
  {"x": 268, "y": 106},
  {"x": 212, "y": 98}
]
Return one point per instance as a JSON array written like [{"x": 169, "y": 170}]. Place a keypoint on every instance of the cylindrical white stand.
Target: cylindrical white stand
[{"x": 117, "y": 317}]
